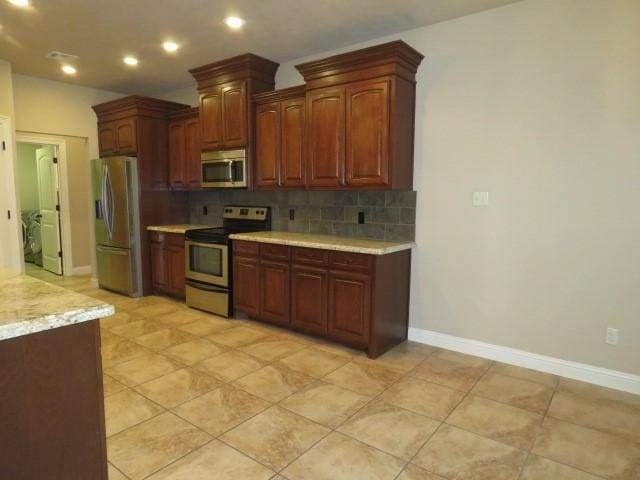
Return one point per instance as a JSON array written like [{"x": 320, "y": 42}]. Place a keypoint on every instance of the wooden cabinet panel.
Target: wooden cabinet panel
[
  {"x": 175, "y": 270},
  {"x": 349, "y": 306},
  {"x": 177, "y": 149},
  {"x": 246, "y": 285},
  {"x": 351, "y": 261},
  {"x": 309, "y": 299},
  {"x": 268, "y": 145},
  {"x": 126, "y": 136},
  {"x": 274, "y": 252},
  {"x": 193, "y": 166},
  {"x": 245, "y": 249},
  {"x": 292, "y": 164},
  {"x": 158, "y": 266},
  {"x": 234, "y": 114},
  {"x": 274, "y": 292},
  {"x": 107, "y": 139},
  {"x": 211, "y": 119},
  {"x": 367, "y": 133},
  {"x": 325, "y": 137},
  {"x": 310, "y": 256}
]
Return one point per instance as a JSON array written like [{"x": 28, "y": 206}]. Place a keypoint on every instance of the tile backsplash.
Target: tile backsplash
[{"x": 387, "y": 215}]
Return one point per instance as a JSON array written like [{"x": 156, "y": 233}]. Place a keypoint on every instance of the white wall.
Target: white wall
[
  {"x": 10, "y": 232},
  {"x": 28, "y": 176},
  {"x": 538, "y": 103},
  {"x": 64, "y": 110}
]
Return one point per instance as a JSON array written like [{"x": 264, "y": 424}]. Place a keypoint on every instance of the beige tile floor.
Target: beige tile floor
[{"x": 195, "y": 396}]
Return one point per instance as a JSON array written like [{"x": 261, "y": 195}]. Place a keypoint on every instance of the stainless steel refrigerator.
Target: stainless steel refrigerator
[{"x": 117, "y": 224}]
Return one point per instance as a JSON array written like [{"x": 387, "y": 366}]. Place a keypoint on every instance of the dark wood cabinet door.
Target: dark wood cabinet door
[
  {"x": 158, "y": 266},
  {"x": 292, "y": 165},
  {"x": 349, "y": 306},
  {"x": 177, "y": 159},
  {"x": 234, "y": 114},
  {"x": 274, "y": 292},
  {"x": 367, "y": 133},
  {"x": 175, "y": 270},
  {"x": 107, "y": 139},
  {"x": 193, "y": 167},
  {"x": 126, "y": 136},
  {"x": 268, "y": 145},
  {"x": 246, "y": 285},
  {"x": 325, "y": 137},
  {"x": 211, "y": 119},
  {"x": 309, "y": 299}
]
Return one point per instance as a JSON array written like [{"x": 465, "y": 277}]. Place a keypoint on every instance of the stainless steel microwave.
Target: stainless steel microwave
[{"x": 224, "y": 169}]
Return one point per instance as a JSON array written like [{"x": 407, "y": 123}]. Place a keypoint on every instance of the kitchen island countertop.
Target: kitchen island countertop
[
  {"x": 29, "y": 305},
  {"x": 179, "y": 228}
]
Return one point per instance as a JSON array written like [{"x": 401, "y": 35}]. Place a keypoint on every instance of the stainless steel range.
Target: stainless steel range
[{"x": 208, "y": 258}]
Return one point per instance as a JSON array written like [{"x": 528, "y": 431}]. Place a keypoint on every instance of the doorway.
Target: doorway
[{"x": 38, "y": 178}]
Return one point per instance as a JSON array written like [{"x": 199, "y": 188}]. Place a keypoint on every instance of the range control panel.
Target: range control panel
[{"x": 245, "y": 213}]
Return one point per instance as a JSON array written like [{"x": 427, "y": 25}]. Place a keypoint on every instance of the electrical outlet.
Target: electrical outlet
[
  {"x": 480, "y": 199},
  {"x": 205, "y": 210},
  {"x": 292, "y": 214},
  {"x": 612, "y": 336},
  {"x": 360, "y": 218}
]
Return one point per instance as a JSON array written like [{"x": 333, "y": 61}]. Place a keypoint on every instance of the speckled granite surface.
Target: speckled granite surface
[
  {"x": 182, "y": 228},
  {"x": 29, "y": 305},
  {"x": 326, "y": 242}
]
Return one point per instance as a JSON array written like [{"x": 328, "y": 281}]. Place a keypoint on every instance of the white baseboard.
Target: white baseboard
[
  {"x": 578, "y": 371},
  {"x": 83, "y": 270},
  {"x": 94, "y": 282}
]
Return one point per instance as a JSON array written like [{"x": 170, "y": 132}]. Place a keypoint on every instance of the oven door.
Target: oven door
[{"x": 207, "y": 262}]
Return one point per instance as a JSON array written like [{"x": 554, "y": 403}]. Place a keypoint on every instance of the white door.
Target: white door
[{"x": 48, "y": 196}]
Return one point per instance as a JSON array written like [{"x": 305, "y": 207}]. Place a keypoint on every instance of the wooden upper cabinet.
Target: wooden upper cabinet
[
  {"x": 325, "y": 134},
  {"x": 184, "y": 150},
  {"x": 126, "y": 136},
  {"x": 292, "y": 166},
  {"x": 371, "y": 135},
  {"x": 367, "y": 133},
  {"x": 192, "y": 152},
  {"x": 177, "y": 167},
  {"x": 211, "y": 119},
  {"x": 225, "y": 98},
  {"x": 279, "y": 134},
  {"x": 234, "y": 114},
  {"x": 268, "y": 146},
  {"x": 107, "y": 139}
]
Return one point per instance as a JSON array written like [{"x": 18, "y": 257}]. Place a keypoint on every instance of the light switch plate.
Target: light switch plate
[{"x": 480, "y": 199}]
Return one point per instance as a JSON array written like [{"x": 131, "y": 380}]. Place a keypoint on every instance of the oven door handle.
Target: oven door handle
[{"x": 206, "y": 287}]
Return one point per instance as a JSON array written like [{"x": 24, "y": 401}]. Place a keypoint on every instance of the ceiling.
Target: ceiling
[{"x": 102, "y": 32}]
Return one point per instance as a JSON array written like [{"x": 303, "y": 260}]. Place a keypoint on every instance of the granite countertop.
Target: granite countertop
[
  {"x": 29, "y": 305},
  {"x": 326, "y": 242},
  {"x": 180, "y": 228}
]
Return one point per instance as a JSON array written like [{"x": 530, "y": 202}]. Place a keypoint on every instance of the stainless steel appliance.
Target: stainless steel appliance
[
  {"x": 224, "y": 169},
  {"x": 117, "y": 231},
  {"x": 208, "y": 258}
]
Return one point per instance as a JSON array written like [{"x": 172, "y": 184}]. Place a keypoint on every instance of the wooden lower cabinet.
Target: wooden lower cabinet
[
  {"x": 52, "y": 405},
  {"x": 349, "y": 306},
  {"x": 274, "y": 292},
  {"x": 309, "y": 299},
  {"x": 246, "y": 285},
  {"x": 356, "y": 299},
  {"x": 167, "y": 263}
]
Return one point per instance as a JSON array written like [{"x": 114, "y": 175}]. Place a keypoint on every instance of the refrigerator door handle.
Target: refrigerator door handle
[{"x": 107, "y": 202}]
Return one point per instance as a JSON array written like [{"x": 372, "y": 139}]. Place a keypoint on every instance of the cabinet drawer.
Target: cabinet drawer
[
  {"x": 175, "y": 239},
  {"x": 241, "y": 247},
  {"x": 310, "y": 256},
  {"x": 347, "y": 260},
  {"x": 156, "y": 237},
  {"x": 274, "y": 252}
]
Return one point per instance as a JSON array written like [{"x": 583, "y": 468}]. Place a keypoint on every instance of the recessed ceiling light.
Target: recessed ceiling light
[
  {"x": 170, "y": 46},
  {"x": 19, "y": 3},
  {"x": 69, "y": 70},
  {"x": 133, "y": 61},
  {"x": 234, "y": 22}
]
